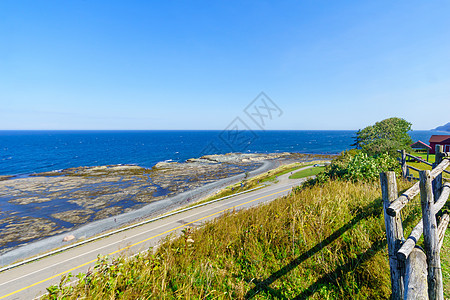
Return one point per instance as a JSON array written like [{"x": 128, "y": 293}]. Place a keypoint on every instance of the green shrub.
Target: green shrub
[
  {"x": 361, "y": 167},
  {"x": 355, "y": 165}
]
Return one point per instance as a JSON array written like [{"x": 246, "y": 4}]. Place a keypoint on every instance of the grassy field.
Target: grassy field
[
  {"x": 286, "y": 169},
  {"x": 306, "y": 173},
  {"x": 325, "y": 242},
  {"x": 431, "y": 157},
  {"x": 422, "y": 166},
  {"x": 254, "y": 182}
]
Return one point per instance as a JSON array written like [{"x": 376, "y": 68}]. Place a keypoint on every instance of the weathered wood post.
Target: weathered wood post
[
  {"x": 416, "y": 286},
  {"x": 394, "y": 232},
  {"x": 431, "y": 242},
  {"x": 403, "y": 162},
  {"x": 437, "y": 182}
]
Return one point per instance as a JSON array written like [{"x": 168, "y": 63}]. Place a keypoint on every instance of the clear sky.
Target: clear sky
[{"x": 197, "y": 64}]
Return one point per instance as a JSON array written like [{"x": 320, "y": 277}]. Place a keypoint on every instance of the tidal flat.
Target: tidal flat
[{"x": 46, "y": 204}]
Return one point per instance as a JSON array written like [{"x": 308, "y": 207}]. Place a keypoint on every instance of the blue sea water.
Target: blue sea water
[{"x": 25, "y": 152}]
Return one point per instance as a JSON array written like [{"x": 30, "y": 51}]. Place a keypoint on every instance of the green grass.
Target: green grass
[
  {"x": 324, "y": 242},
  {"x": 431, "y": 157},
  {"x": 306, "y": 173},
  {"x": 254, "y": 182},
  {"x": 272, "y": 176},
  {"x": 422, "y": 166},
  {"x": 445, "y": 263}
]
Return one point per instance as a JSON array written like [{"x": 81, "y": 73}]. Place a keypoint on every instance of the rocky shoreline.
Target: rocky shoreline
[{"x": 53, "y": 203}]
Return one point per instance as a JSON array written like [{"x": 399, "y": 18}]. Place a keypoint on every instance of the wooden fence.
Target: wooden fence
[
  {"x": 406, "y": 167},
  {"x": 416, "y": 273}
]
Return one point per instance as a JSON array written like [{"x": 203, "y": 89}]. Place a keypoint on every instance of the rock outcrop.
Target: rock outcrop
[{"x": 50, "y": 203}]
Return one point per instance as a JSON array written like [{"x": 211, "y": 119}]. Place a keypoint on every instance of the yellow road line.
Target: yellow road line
[{"x": 140, "y": 242}]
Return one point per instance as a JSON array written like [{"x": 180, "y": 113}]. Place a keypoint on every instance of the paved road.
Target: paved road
[{"x": 30, "y": 281}]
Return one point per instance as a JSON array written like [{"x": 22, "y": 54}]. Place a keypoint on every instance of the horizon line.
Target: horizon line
[{"x": 197, "y": 130}]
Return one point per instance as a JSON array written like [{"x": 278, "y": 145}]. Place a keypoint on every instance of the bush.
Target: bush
[{"x": 355, "y": 165}]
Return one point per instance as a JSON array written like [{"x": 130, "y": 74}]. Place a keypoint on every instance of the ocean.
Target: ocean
[
  {"x": 48, "y": 206},
  {"x": 26, "y": 152}
]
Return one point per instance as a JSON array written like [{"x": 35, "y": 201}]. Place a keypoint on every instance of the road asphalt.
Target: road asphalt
[{"x": 30, "y": 281}]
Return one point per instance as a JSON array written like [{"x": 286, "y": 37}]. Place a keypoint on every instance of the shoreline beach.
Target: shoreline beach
[{"x": 264, "y": 163}]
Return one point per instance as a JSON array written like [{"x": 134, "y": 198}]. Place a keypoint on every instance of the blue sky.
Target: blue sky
[{"x": 198, "y": 64}]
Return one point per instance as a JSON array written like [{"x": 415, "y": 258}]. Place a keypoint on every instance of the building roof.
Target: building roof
[
  {"x": 420, "y": 144},
  {"x": 440, "y": 139}
]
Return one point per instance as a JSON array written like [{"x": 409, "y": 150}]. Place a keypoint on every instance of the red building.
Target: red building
[
  {"x": 443, "y": 140},
  {"x": 420, "y": 146}
]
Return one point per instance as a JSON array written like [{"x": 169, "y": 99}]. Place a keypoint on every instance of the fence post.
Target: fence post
[
  {"x": 431, "y": 242},
  {"x": 416, "y": 286},
  {"x": 394, "y": 233},
  {"x": 404, "y": 167},
  {"x": 437, "y": 182}
]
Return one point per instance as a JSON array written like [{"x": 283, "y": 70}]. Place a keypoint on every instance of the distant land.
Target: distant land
[{"x": 445, "y": 127}]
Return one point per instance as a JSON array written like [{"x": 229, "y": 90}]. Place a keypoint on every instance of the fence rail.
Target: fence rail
[
  {"x": 406, "y": 167},
  {"x": 416, "y": 273}
]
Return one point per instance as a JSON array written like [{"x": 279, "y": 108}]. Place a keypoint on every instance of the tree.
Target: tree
[
  {"x": 358, "y": 141},
  {"x": 386, "y": 136}
]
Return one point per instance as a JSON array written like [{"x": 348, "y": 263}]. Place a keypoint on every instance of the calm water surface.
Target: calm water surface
[{"x": 24, "y": 152}]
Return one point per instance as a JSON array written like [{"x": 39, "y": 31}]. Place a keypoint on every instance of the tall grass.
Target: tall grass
[
  {"x": 254, "y": 182},
  {"x": 322, "y": 242}
]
